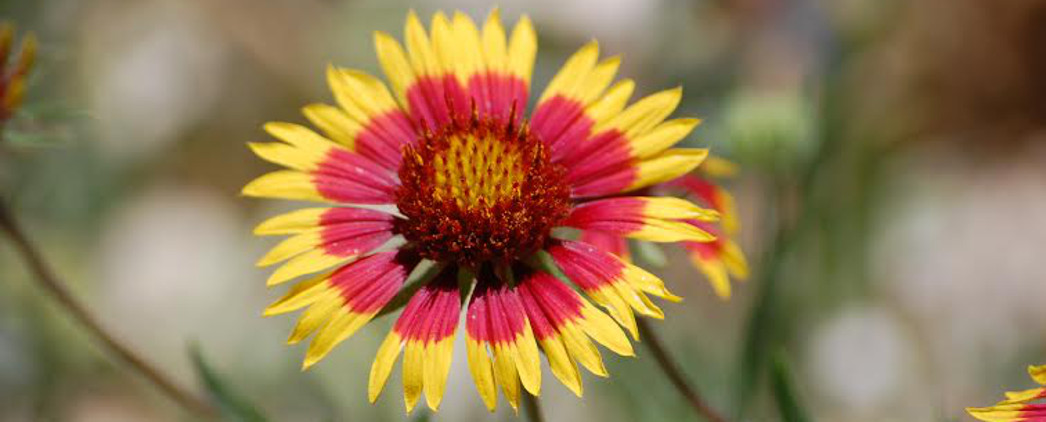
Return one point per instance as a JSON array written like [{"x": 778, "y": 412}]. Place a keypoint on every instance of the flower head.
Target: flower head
[
  {"x": 1018, "y": 406},
  {"x": 448, "y": 162},
  {"x": 722, "y": 258},
  {"x": 13, "y": 74}
]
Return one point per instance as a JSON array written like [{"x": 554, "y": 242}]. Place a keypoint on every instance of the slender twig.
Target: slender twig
[
  {"x": 672, "y": 371},
  {"x": 47, "y": 281},
  {"x": 532, "y": 408}
]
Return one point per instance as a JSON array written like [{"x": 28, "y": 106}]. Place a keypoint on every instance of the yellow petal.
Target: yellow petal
[
  {"x": 293, "y": 222},
  {"x": 1038, "y": 373},
  {"x": 419, "y": 48},
  {"x": 590, "y": 87},
  {"x": 334, "y": 122},
  {"x": 608, "y": 297},
  {"x": 469, "y": 50},
  {"x": 344, "y": 324},
  {"x": 482, "y": 372},
  {"x": 382, "y": 366},
  {"x": 718, "y": 167},
  {"x": 297, "y": 135},
  {"x": 495, "y": 51},
  {"x": 715, "y": 272},
  {"x": 395, "y": 64},
  {"x": 288, "y": 156},
  {"x": 285, "y": 184},
  {"x": 368, "y": 92},
  {"x": 306, "y": 263},
  {"x": 522, "y": 47},
  {"x": 505, "y": 373},
  {"x": 573, "y": 72},
  {"x": 669, "y": 208},
  {"x": 647, "y": 282},
  {"x": 1004, "y": 413},
  {"x": 444, "y": 43},
  {"x": 302, "y": 294},
  {"x": 655, "y": 230},
  {"x": 728, "y": 213},
  {"x": 662, "y": 137},
  {"x": 581, "y": 349},
  {"x": 667, "y": 166},
  {"x": 604, "y": 330},
  {"x": 413, "y": 373},
  {"x": 635, "y": 300},
  {"x": 290, "y": 247},
  {"x": 1023, "y": 396},
  {"x": 528, "y": 362},
  {"x": 735, "y": 260},
  {"x": 15, "y": 93},
  {"x": 315, "y": 316},
  {"x": 437, "y": 366},
  {"x": 644, "y": 114},
  {"x": 612, "y": 102},
  {"x": 563, "y": 367}
]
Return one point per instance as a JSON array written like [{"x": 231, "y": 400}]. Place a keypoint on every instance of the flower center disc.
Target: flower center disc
[{"x": 478, "y": 191}]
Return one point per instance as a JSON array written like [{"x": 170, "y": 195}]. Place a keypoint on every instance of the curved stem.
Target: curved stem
[
  {"x": 47, "y": 281},
  {"x": 671, "y": 370},
  {"x": 532, "y": 408}
]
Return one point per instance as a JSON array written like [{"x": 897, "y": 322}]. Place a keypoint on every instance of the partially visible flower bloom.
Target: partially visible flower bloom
[
  {"x": 13, "y": 74},
  {"x": 1018, "y": 406},
  {"x": 478, "y": 189},
  {"x": 721, "y": 259}
]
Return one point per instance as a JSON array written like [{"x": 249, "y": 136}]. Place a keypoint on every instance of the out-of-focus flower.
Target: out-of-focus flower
[
  {"x": 13, "y": 73},
  {"x": 721, "y": 258},
  {"x": 1018, "y": 406},
  {"x": 478, "y": 189}
]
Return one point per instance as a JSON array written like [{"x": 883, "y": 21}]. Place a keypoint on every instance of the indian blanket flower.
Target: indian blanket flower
[
  {"x": 1018, "y": 406},
  {"x": 13, "y": 74},
  {"x": 721, "y": 259},
  {"x": 442, "y": 165}
]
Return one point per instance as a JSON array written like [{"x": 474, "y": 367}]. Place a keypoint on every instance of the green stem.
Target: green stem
[
  {"x": 674, "y": 374},
  {"x": 47, "y": 281},
  {"x": 532, "y": 408}
]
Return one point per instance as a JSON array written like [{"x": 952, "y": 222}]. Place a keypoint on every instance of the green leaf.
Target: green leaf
[
  {"x": 781, "y": 382},
  {"x": 231, "y": 406}
]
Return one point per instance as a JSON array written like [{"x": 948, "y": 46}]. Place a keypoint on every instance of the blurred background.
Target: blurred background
[{"x": 892, "y": 195}]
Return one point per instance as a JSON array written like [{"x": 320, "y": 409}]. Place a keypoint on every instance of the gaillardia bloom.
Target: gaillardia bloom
[
  {"x": 721, "y": 258},
  {"x": 13, "y": 74},
  {"x": 1018, "y": 406},
  {"x": 454, "y": 173}
]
